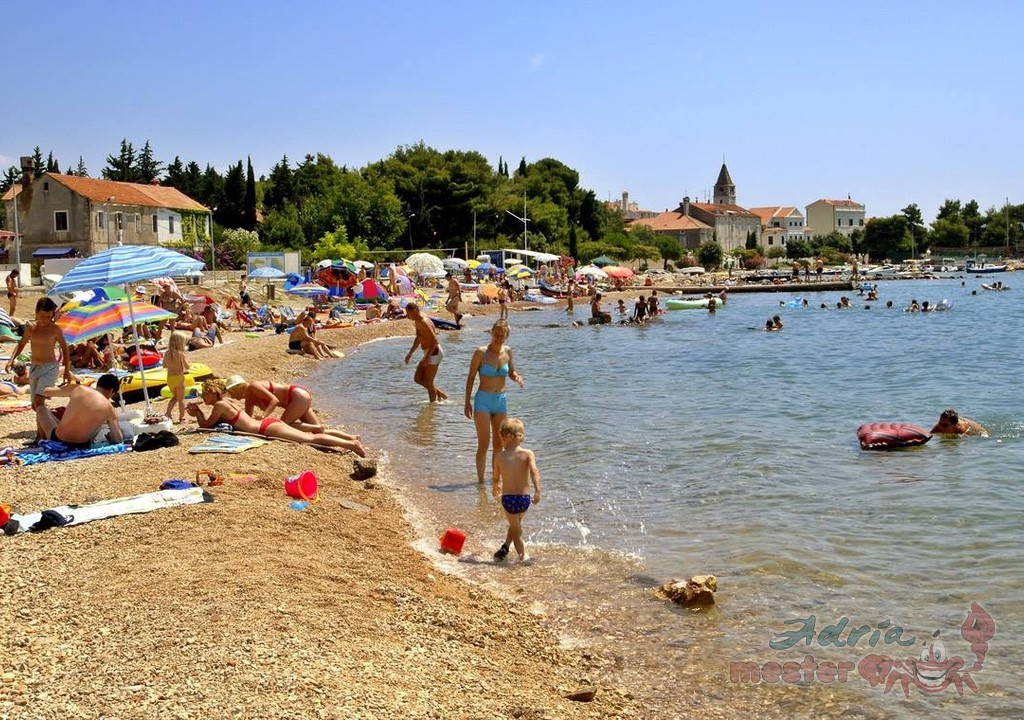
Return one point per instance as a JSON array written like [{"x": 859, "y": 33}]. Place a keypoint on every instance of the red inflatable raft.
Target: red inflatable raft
[{"x": 889, "y": 435}]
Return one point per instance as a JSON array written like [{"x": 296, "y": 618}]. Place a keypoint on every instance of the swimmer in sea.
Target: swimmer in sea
[{"x": 951, "y": 423}]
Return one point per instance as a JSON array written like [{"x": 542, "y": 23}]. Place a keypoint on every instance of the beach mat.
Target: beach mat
[
  {"x": 52, "y": 451},
  {"x": 232, "y": 444},
  {"x": 8, "y": 405},
  {"x": 68, "y": 515}
]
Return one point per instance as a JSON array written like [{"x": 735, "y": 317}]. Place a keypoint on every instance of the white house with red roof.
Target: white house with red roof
[{"x": 780, "y": 224}]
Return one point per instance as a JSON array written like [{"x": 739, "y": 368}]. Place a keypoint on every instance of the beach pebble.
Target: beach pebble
[
  {"x": 364, "y": 468},
  {"x": 583, "y": 694}
]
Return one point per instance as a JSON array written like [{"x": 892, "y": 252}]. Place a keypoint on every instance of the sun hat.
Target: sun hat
[{"x": 232, "y": 381}]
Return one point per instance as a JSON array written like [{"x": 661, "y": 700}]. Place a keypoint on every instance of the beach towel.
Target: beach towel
[
  {"x": 232, "y": 444},
  {"x": 12, "y": 404},
  {"x": 52, "y": 451},
  {"x": 70, "y": 515}
]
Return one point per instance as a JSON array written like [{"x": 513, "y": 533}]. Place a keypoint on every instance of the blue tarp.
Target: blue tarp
[{"x": 55, "y": 252}]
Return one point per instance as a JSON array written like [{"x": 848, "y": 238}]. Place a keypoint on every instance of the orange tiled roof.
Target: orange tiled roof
[
  {"x": 773, "y": 211},
  {"x": 128, "y": 193},
  {"x": 723, "y": 209},
  {"x": 842, "y": 203},
  {"x": 672, "y": 221}
]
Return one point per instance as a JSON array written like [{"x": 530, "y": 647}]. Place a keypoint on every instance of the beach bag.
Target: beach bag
[{"x": 154, "y": 441}]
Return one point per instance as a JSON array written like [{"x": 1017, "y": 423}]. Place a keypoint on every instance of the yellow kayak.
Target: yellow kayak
[{"x": 157, "y": 377}]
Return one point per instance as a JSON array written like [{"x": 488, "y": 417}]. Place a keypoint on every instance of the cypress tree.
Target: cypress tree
[{"x": 249, "y": 209}]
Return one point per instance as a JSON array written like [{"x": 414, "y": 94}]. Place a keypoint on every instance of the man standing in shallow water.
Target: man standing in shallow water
[{"x": 426, "y": 338}]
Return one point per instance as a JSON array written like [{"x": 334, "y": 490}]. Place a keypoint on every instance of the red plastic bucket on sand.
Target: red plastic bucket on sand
[
  {"x": 452, "y": 541},
  {"x": 302, "y": 486},
  {"x": 5, "y": 514}
]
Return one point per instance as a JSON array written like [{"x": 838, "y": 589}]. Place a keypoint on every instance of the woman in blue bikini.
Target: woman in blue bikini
[{"x": 493, "y": 363}]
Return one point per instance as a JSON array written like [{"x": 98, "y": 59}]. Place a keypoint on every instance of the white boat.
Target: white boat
[{"x": 983, "y": 268}]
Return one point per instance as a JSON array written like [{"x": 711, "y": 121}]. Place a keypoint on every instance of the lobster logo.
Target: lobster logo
[{"x": 933, "y": 671}]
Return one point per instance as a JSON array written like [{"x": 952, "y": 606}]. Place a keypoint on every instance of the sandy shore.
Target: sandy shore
[{"x": 246, "y": 608}]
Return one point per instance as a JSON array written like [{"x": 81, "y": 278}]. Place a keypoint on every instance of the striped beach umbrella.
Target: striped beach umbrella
[
  {"x": 124, "y": 265},
  {"x": 92, "y": 320},
  {"x": 308, "y": 290}
]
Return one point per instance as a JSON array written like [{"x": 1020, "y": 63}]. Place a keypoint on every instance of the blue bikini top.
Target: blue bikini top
[{"x": 488, "y": 370}]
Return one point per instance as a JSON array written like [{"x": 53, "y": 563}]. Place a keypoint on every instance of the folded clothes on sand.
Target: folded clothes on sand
[{"x": 228, "y": 444}]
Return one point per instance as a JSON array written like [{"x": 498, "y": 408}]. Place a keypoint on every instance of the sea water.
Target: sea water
[{"x": 701, "y": 444}]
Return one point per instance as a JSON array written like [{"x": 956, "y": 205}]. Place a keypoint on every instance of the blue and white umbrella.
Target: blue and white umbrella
[
  {"x": 267, "y": 271},
  {"x": 308, "y": 290},
  {"x": 125, "y": 265}
]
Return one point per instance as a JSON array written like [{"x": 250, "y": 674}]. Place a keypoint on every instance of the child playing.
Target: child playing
[
  {"x": 514, "y": 468},
  {"x": 176, "y": 364},
  {"x": 45, "y": 338}
]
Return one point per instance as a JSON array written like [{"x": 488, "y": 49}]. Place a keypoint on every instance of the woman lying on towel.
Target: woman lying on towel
[
  {"x": 225, "y": 410},
  {"x": 262, "y": 398}
]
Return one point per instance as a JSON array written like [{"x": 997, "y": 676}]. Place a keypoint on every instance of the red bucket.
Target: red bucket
[
  {"x": 302, "y": 486},
  {"x": 452, "y": 541}
]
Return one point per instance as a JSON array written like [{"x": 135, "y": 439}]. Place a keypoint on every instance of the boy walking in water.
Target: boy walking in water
[
  {"x": 426, "y": 338},
  {"x": 514, "y": 468},
  {"x": 44, "y": 336}
]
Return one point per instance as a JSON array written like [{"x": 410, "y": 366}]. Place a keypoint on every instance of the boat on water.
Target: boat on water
[{"x": 984, "y": 268}]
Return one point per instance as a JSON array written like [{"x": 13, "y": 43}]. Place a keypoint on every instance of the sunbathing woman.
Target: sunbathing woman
[
  {"x": 295, "y": 401},
  {"x": 301, "y": 339},
  {"x": 225, "y": 410}
]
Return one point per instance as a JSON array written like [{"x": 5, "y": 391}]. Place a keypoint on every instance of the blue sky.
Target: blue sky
[{"x": 890, "y": 103}]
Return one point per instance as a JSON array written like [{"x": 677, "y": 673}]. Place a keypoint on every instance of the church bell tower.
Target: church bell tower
[{"x": 725, "y": 190}]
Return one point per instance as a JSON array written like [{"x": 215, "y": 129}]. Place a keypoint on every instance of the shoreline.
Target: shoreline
[{"x": 246, "y": 607}]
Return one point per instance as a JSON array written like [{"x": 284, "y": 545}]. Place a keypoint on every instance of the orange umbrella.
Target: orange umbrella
[{"x": 617, "y": 271}]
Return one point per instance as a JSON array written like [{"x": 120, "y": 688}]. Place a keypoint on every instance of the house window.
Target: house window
[
  {"x": 101, "y": 221},
  {"x": 46, "y": 187},
  {"x": 60, "y": 221},
  {"x": 851, "y": 222},
  {"x": 862, "y": 222},
  {"x": 170, "y": 224},
  {"x": 783, "y": 241},
  {"x": 138, "y": 223},
  {"x": 154, "y": 222},
  {"x": 771, "y": 241},
  {"x": 119, "y": 218}
]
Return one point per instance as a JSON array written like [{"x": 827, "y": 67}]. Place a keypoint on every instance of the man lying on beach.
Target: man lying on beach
[
  {"x": 951, "y": 423},
  {"x": 87, "y": 411}
]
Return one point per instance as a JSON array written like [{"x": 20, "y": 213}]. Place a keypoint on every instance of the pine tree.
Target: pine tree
[
  {"x": 233, "y": 213},
  {"x": 175, "y": 174},
  {"x": 249, "y": 204},
  {"x": 37, "y": 161},
  {"x": 148, "y": 168},
  {"x": 81, "y": 170},
  {"x": 122, "y": 167},
  {"x": 521, "y": 171},
  {"x": 280, "y": 188},
  {"x": 51, "y": 164}
]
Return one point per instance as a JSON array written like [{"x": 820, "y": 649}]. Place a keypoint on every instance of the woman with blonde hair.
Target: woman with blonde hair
[
  {"x": 225, "y": 410},
  {"x": 493, "y": 363},
  {"x": 294, "y": 401}
]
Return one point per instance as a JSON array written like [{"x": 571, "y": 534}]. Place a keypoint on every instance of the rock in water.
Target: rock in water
[
  {"x": 364, "y": 468},
  {"x": 698, "y": 591}
]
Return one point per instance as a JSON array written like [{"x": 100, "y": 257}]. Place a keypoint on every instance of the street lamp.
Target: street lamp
[
  {"x": 523, "y": 220},
  {"x": 17, "y": 235},
  {"x": 213, "y": 254},
  {"x": 409, "y": 223}
]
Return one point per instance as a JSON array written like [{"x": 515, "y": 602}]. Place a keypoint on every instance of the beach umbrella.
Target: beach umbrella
[
  {"x": 350, "y": 266},
  {"x": 617, "y": 271},
  {"x": 94, "y": 319},
  {"x": 308, "y": 290},
  {"x": 472, "y": 264},
  {"x": 267, "y": 272},
  {"x": 454, "y": 264},
  {"x": 483, "y": 268},
  {"x": 591, "y": 272},
  {"x": 424, "y": 263},
  {"x": 519, "y": 271},
  {"x": 5, "y": 319},
  {"x": 602, "y": 260},
  {"x": 126, "y": 265},
  {"x": 365, "y": 265}
]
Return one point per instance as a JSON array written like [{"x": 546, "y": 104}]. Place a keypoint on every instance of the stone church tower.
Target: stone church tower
[{"x": 725, "y": 190}]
